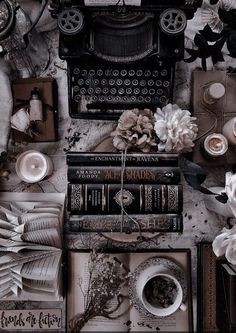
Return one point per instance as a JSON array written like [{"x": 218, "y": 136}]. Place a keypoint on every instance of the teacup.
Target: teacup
[
  {"x": 229, "y": 131},
  {"x": 162, "y": 295}
]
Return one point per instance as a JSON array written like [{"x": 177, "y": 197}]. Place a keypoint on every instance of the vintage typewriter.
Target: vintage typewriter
[{"x": 120, "y": 56}]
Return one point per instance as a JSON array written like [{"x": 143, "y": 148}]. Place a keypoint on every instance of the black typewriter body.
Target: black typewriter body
[{"x": 120, "y": 56}]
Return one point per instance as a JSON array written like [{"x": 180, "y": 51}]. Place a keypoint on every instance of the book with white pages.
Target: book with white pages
[{"x": 31, "y": 258}]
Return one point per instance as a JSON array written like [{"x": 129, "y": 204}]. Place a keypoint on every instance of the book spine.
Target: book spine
[
  {"x": 158, "y": 175},
  {"x": 114, "y": 223},
  {"x": 137, "y": 199},
  {"x": 115, "y": 159}
]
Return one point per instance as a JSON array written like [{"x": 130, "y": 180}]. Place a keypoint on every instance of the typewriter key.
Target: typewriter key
[
  {"x": 80, "y": 82},
  {"x": 163, "y": 99},
  {"x": 127, "y": 82},
  {"x": 105, "y": 90},
  {"x": 90, "y": 91},
  {"x": 98, "y": 90},
  {"x": 113, "y": 91},
  {"x": 103, "y": 82},
  {"x": 83, "y": 91},
  {"x": 143, "y": 83},
  {"x": 92, "y": 72},
  {"x": 150, "y": 83},
  {"x": 123, "y": 72},
  {"x": 131, "y": 72},
  {"x": 121, "y": 91},
  {"x": 77, "y": 98},
  {"x": 155, "y": 73},
  {"x": 147, "y": 73},
  {"x": 76, "y": 71},
  {"x": 164, "y": 72},
  {"x": 108, "y": 72},
  {"x": 111, "y": 82},
  {"x": 84, "y": 72}
]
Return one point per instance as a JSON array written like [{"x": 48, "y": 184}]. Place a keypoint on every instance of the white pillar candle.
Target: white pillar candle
[{"x": 33, "y": 166}]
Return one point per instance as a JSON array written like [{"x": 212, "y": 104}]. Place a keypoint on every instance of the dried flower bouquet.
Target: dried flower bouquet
[{"x": 107, "y": 276}]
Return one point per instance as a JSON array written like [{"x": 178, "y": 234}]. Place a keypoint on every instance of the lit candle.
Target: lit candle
[
  {"x": 33, "y": 166},
  {"x": 215, "y": 145}
]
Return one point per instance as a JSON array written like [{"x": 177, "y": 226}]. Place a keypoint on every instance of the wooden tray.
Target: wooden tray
[
  {"x": 211, "y": 119},
  {"x": 47, "y": 128}
]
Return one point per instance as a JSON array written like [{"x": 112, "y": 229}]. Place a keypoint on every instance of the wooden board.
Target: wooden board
[{"x": 211, "y": 119}]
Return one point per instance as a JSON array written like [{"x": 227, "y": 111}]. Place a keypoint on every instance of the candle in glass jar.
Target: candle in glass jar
[
  {"x": 33, "y": 166},
  {"x": 215, "y": 145}
]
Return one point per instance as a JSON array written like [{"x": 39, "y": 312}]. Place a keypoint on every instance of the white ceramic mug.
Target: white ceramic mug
[
  {"x": 229, "y": 131},
  {"x": 160, "y": 311},
  {"x": 33, "y": 166}
]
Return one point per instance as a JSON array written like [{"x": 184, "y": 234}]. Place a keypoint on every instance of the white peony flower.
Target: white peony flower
[
  {"x": 225, "y": 244},
  {"x": 175, "y": 129}
]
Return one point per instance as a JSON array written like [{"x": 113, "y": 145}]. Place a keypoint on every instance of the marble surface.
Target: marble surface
[{"x": 199, "y": 223}]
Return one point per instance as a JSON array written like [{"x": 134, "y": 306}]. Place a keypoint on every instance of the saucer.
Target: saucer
[{"x": 154, "y": 265}]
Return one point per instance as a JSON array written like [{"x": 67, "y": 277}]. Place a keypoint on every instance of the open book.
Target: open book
[
  {"x": 30, "y": 247},
  {"x": 131, "y": 319}
]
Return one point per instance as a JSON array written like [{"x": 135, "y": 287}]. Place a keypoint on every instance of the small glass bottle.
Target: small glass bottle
[
  {"x": 35, "y": 106},
  {"x": 213, "y": 92}
]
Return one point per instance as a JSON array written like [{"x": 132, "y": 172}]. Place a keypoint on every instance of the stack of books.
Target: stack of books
[{"x": 145, "y": 194}]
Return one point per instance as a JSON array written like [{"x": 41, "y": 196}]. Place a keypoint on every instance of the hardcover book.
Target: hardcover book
[
  {"x": 115, "y": 159},
  {"x": 112, "y": 174},
  {"x": 127, "y": 224},
  {"x": 131, "y": 316},
  {"x": 226, "y": 297},
  {"x": 135, "y": 199}
]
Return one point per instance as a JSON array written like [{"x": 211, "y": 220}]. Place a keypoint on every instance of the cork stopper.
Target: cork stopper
[{"x": 216, "y": 91}]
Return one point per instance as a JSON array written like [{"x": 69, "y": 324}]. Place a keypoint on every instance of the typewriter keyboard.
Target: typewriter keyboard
[{"x": 98, "y": 92}]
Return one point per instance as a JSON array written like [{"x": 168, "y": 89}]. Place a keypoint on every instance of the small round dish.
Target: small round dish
[{"x": 154, "y": 265}]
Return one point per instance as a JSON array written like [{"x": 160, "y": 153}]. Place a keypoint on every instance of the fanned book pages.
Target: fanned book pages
[{"x": 31, "y": 250}]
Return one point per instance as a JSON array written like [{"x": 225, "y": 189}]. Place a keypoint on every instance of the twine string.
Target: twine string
[{"x": 123, "y": 211}]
